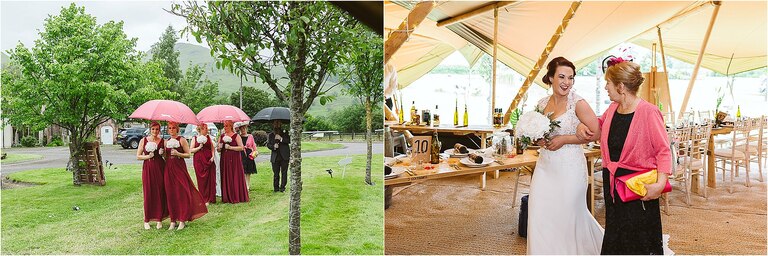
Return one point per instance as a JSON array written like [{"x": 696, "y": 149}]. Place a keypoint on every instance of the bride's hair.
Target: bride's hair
[
  {"x": 552, "y": 66},
  {"x": 625, "y": 72}
]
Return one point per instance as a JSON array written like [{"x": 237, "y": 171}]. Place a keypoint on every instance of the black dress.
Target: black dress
[
  {"x": 632, "y": 227},
  {"x": 249, "y": 165}
]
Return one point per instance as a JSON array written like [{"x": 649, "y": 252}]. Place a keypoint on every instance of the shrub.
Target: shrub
[
  {"x": 28, "y": 141},
  {"x": 317, "y": 124},
  {"x": 260, "y": 137},
  {"x": 55, "y": 142}
]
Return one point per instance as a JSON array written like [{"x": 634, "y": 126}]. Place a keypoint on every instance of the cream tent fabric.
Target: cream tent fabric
[
  {"x": 740, "y": 30},
  {"x": 525, "y": 28}
]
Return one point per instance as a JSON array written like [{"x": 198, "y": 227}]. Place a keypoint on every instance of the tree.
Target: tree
[
  {"x": 254, "y": 99},
  {"x": 252, "y": 38},
  {"x": 190, "y": 88},
  {"x": 367, "y": 63},
  {"x": 164, "y": 52},
  {"x": 196, "y": 91},
  {"x": 78, "y": 75}
]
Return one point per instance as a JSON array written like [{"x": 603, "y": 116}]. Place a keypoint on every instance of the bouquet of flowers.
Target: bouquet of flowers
[
  {"x": 226, "y": 139},
  {"x": 172, "y": 143},
  {"x": 202, "y": 139},
  {"x": 534, "y": 125},
  {"x": 150, "y": 146}
]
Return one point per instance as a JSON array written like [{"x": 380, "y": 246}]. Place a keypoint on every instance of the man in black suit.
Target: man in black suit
[{"x": 278, "y": 141}]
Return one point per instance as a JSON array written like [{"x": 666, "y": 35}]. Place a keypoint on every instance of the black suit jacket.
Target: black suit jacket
[{"x": 283, "y": 149}]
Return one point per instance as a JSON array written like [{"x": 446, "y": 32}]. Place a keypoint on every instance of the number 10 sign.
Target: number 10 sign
[{"x": 420, "y": 148}]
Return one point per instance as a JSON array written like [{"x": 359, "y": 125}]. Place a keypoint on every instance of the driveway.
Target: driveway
[{"x": 57, "y": 157}]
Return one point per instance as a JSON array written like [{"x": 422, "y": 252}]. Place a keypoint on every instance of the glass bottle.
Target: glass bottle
[
  {"x": 400, "y": 114},
  {"x": 434, "y": 154},
  {"x": 738, "y": 112},
  {"x": 436, "y": 117},
  {"x": 466, "y": 115},
  {"x": 414, "y": 113},
  {"x": 456, "y": 113}
]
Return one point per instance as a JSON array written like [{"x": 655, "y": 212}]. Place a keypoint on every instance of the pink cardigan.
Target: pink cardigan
[{"x": 647, "y": 145}]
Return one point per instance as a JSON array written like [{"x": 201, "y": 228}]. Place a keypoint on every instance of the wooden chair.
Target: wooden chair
[
  {"x": 669, "y": 119},
  {"x": 682, "y": 148},
  {"x": 697, "y": 155},
  {"x": 687, "y": 119},
  {"x": 706, "y": 116},
  {"x": 756, "y": 148},
  {"x": 739, "y": 137}
]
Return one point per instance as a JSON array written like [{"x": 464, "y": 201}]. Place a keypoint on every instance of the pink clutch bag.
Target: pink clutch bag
[{"x": 626, "y": 194}]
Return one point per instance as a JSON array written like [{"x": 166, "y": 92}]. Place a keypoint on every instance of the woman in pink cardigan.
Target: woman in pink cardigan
[{"x": 633, "y": 138}]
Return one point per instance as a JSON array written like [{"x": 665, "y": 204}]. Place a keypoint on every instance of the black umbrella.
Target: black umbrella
[{"x": 270, "y": 114}]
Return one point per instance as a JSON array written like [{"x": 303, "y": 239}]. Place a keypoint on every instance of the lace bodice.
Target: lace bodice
[{"x": 568, "y": 120}]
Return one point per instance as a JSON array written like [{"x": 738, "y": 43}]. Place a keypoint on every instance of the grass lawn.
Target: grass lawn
[
  {"x": 309, "y": 146},
  {"x": 339, "y": 216},
  {"x": 15, "y": 158}
]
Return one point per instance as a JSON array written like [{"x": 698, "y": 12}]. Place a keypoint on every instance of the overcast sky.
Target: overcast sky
[{"x": 146, "y": 20}]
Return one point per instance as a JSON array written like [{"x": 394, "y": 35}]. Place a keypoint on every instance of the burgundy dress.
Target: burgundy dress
[
  {"x": 233, "y": 188},
  {"x": 153, "y": 186},
  {"x": 205, "y": 170},
  {"x": 184, "y": 201}
]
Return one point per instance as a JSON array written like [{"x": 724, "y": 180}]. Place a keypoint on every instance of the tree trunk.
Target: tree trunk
[
  {"x": 294, "y": 219},
  {"x": 73, "y": 164},
  {"x": 368, "y": 140}
]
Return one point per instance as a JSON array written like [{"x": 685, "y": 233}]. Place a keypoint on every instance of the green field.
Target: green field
[
  {"x": 15, "y": 158},
  {"x": 308, "y": 146},
  {"x": 339, "y": 216}
]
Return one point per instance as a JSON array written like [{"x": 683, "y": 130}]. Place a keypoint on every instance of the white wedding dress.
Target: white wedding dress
[{"x": 558, "y": 219}]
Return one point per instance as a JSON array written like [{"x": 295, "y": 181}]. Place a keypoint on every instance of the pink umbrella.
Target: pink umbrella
[
  {"x": 221, "y": 113},
  {"x": 165, "y": 110}
]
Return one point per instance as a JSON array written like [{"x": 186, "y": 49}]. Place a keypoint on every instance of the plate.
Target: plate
[
  {"x": 391, "y": 176},
  {"x": 468, "y": 162},
  {"x": 452, "y": 152}
]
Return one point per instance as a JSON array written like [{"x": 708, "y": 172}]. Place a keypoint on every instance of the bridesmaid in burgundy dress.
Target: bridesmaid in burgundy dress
[
  {"x": 233, "y": 187},
  {"x": 150, "y": 151},
  {"x": 184, "y": 201},
  {"x": 205, "y": 168}
]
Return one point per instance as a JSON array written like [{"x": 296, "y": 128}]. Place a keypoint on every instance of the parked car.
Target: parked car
[
  {"x": 131, "y": 137},
  {"x": 163, "y": 133},
  {"x": 191, "y": 131}
]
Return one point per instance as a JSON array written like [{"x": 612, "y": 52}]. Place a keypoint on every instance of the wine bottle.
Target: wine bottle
[
  {"x": 456, "y": 113},
  {"x": 461, "y": 149},
  {"x": 466, "y": 115},
  {"x": 414, "y": 113},
  {"x": 738, "y": 112},
  {"x": 400, "y": 114},
  {"x": 436, "y": 117},
  {"x": 476, "y": 158},
  {"x": 434, "y": 156}
]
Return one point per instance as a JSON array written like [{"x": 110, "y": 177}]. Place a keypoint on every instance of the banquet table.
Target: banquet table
[{"x": 408, "y": 174}]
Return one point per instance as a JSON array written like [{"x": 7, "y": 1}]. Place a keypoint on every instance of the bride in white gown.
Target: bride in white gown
[{"x": 558, "y": 219}]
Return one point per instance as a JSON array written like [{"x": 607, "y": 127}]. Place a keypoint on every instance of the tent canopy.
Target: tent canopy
[{"x": 526, "y": 27}]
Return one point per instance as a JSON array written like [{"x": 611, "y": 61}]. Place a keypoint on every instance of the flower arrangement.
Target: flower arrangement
[
  {"x": 172, "y": 143},
  {"x": 226, "y": 139},
  {"x": 534, "y": 125},
  {"x": 150, "y": 146},
  {"x": 202, "y": 139}
]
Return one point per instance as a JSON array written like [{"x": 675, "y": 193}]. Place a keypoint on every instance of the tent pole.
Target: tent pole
[
  {"x": 698, "y": 61},
  {"x": 398, "y": 37},
  {"x": 475, "y": 12},
  {"x": 667, "y": 100},
  {"x": 495, "y": 46},
  {"x": 544, "y": 55}
]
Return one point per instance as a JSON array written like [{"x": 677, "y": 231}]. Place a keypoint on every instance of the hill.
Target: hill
[{"x": 229, "y": 83}]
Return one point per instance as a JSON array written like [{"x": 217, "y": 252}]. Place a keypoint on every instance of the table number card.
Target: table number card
[{"x": 421, "y": 147}]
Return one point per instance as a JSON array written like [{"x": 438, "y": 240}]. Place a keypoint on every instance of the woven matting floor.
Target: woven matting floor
[{"x": 453, "y": 216}]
